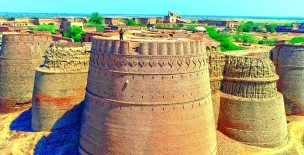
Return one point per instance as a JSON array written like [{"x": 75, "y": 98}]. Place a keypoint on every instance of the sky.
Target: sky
[{"x": 282, "y": 8}]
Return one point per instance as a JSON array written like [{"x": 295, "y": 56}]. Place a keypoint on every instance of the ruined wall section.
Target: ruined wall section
[
  {"x": 216, "y": 69},
  {"x": 252, "y": 111},
  {"x": 288, "y": 60},
  {"x": 19, "y": 56},
  {"x": 137, "y": 86},
  {"x": 60, "y": 86}
]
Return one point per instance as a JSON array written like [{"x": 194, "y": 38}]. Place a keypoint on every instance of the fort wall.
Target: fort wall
[
  {"x": 288, "y": 60},
  {"x": 59, "y": 86},
  {"x": 251, "y": 109},
  {"x": 19, "y": 56},
  {"x": 148, "y": 96},
  {"x": 216, "y": 69}
]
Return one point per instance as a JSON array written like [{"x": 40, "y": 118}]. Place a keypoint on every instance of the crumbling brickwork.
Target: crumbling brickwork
[
  {"x": 252, "y": 110},
  {"x": 216, "y": 69},
  {"x": 60, "y": 86},
  {"x": 19, "y": 56},
  {"x": 288, "y": 60},
  {"x": 148, "y": 96}
]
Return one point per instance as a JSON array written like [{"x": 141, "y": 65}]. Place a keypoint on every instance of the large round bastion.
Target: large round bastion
[
  {"x": 59, "y": 86},
  {"x": 252, "y": 110},
  {"x": 19, "y": 57},
  {"x": 148, "y": 95},
  {"x": 289, "y": 63}
]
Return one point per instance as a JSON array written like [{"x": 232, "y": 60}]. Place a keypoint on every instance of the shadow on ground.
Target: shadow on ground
[
  {"x": 23, "y": 122},
  {"x": 63, "y": 141}
]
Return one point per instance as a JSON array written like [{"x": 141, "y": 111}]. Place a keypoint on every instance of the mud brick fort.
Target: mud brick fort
[
  {"x": 288, "y": 60},
  {"x": 165, "y": 92},
  {"x": 251, "y": 109},
  {"x": 60, "y": 86},
  {"x": 19, "y": 57}
]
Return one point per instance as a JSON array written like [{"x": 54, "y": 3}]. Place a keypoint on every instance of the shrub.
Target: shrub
[
  {"x": 74, "y": 32},
  {"x": 95, "y": 18},
  {"x": 261, "y": 30},
  {"x": 270, "y": 28},
  {"x": 270, "y": 42},
  {"x": 296, "y": 40},
  {"x": 246, "y": 27},
  {"x": 224, "y": 39},
  {"x": 44, "y": 27},
  {"x": 97, "y": 21},
  {"x": 288, "y": 24},
  {"x": 229, "y": 46},
  {"x": 245, "y": 38},
  {"x": 132, "y": 22}
]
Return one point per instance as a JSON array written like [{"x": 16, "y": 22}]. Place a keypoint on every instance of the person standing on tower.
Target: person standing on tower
[{"x": 121, "y": 32}]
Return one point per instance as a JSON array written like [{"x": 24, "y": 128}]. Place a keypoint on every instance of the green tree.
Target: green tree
[
  {"x": 288, "y": 24},
  {"x": 224, "y": 39},
  {"x": 245, "y": 27},
  {"x": 270, "y": 42},
  {"x": 96, "y": 18},
  {"x": 44, "y": 27},
  {"x": 131, "y": 22},
  {"x": 261, "y": 30},
  {"x": 245, "y": 38},
  {"x": 270, "y": 28},
  {"x": 74, "y": 32}
]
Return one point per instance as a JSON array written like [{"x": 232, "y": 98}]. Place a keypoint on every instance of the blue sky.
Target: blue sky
[{"x": 289, "y": 8}]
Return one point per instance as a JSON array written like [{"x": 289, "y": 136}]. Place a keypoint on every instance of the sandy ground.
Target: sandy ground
[{"x": 16, "y": 138}]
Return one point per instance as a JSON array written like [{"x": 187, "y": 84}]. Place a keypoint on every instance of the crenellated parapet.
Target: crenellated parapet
[
  {"x": 67, "y": 57},
  {"x": 149, "y": 47},
  {"x": 250, "y": 77},
  {"x": 247, "y": 67},
  {"x": 24, "y": 46}
]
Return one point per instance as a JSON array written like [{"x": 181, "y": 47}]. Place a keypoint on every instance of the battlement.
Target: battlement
[
  {"x": 67, "y": 57},
  {"x": 250, "y": 77},
  {"x": 151, "y": 45},
  {"x": 247, "y": 68},
  {"x": 24, "y": 46},
  {"x": 290, "y": 56},
  {"x": 25, "y": 37}
]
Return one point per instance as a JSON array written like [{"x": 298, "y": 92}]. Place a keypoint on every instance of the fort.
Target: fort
[
  {"x": 288, "y": 60},
  {"x": 60, "y": 86},
  {"x": 159, "y": 85},
  {"x": 165, "y": 92},
  {"x": 251, "y": 110},
  {"x": 19, "y": 56}
]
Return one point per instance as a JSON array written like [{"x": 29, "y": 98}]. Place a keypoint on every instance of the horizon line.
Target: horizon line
[{"x": 137, "y": 14}]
